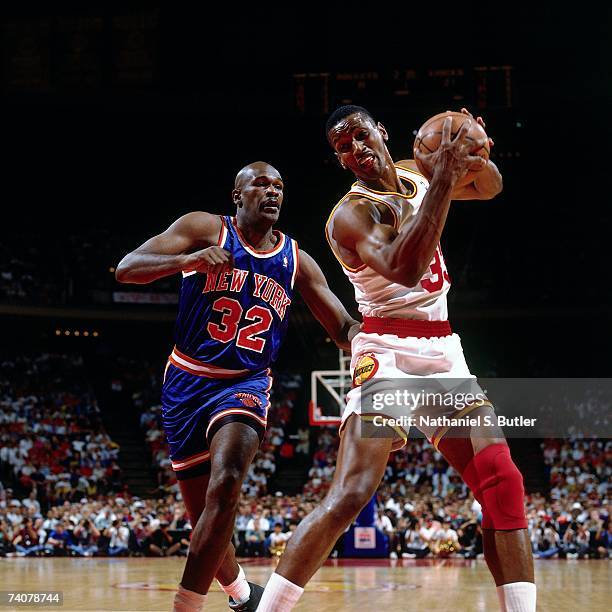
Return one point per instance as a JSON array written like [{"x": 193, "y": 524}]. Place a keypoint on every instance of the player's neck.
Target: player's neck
[{"x": 260, "y": 238}]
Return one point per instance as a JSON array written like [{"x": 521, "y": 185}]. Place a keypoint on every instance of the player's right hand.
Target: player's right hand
[
  {"x": 211, "y": 259},
  {"x": 453, "y": 158}
]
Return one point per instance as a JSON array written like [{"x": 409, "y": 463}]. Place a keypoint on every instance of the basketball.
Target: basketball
[{"x": 429, "y": 136}]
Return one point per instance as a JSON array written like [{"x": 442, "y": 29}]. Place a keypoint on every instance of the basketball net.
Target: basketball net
[{"x": 328, "y": 389}]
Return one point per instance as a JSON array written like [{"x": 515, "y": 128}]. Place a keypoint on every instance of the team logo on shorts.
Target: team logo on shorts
[
  {"x": 366, "y": 367},
  {"x": 248, "y": 399}
]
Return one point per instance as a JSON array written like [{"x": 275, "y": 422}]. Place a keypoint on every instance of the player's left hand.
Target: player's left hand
[{"x": 479, "y": 121}]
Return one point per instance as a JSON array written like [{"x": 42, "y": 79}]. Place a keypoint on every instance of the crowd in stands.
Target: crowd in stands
[
  {"x": 424, "y": 507},
  {"x": 52, "y": 440},
  {"x": 61, "y": 491},
  {"x": 575, "y": 521},
  {"x": 105, "y": 526}
]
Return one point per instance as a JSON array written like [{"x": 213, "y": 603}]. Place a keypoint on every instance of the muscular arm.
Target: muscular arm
[
  {"x": 401, "y": 257},
  {"x": 486, "y": 185},
  {"x": 171, "y": 251},
  {"x": 323, "y": 303}
]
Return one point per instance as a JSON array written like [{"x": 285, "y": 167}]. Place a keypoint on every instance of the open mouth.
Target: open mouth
[
  {"x": 270, "y": 206},
  {"x": 367, "y": 161}
]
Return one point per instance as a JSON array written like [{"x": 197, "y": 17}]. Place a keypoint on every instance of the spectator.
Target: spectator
[
  {"x": 470, "y": 539},
  {"x": 118, "y": 535},
  {"x": 140, "y": 532},
  {"x": 59, "y": 541},
  {"x": 547, "y": 541},
  {"x": 26, "y": 540},
  {"x": 444, "y": 541},
  {"x": 603, "y": 542},
  {"x": 278, "y": 540},
  {"x": 385, "y": 524},
  {"x": 161, "y": 543},
  {"x": 242, "y": 521},
  {"x": 85, "y": 536},
  {"x": 415, "y": 542},
  {"x": 303, "y": 445},
  {"x": 255, "y": 537}
]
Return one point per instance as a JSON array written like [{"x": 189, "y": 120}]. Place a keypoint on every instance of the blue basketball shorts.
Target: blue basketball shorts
[{"x": 195, "y": 406}]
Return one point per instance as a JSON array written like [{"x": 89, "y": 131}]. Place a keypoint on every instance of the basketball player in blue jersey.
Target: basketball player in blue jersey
[
  {"x": 386, "y": 233},
  {"x": 239, "y": 278}
]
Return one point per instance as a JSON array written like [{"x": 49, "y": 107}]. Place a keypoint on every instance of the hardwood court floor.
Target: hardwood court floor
[{"x": 366, "y": 585}]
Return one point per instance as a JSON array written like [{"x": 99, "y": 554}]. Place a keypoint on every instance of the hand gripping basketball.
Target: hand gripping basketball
[{"x": 455, "y": 157}]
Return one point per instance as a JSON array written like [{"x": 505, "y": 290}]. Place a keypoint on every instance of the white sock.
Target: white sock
[
  {"x": 280, "y": 595},
  {"x": 517, "y": 597},
  {"x": 239, "y": 590},
  {"x": 188, "y": 601}
]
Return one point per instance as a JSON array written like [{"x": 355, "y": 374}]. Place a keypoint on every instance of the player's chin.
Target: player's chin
[
  {"x": 269, "y": 213},
  {"x": 367, "y": 174}
]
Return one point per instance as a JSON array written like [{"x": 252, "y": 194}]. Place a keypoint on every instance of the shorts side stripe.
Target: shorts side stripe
[
  {"x": 183, "y": 464},
  {"x": 241, "y": 411}
]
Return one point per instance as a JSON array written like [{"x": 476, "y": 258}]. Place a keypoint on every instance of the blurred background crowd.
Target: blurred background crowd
[{"x": 63, "y": 490}]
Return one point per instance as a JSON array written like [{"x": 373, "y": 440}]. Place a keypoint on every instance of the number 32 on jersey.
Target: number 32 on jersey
[{"x": 227, "y": 329}]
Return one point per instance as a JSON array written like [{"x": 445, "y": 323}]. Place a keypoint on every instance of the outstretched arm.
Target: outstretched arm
[
  {"x": 188, "y": 244},
  {"x": 323, "y": 302}
]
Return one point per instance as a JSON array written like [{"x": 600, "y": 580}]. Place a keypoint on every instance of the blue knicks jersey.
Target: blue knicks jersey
[{"x": 237, "y": 320}]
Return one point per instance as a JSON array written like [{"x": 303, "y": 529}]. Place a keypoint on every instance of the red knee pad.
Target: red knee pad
[{"x": 497, "y": 484}]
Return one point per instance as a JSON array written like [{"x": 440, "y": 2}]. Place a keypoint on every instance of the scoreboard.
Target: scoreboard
[{"x": 478, "y": 87}]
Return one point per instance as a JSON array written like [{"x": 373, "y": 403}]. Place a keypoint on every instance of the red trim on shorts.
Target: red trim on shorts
[
  {"x": 199, "y": 368},
  {"x": 404, "y": 328},
  {"x": 240, "y": 411},
  {"x": 189, "y": 462}
]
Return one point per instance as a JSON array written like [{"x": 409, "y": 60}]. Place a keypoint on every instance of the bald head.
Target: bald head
[
  {"x": 258, "y": 195},
  {"x": 253, "y": 170}
]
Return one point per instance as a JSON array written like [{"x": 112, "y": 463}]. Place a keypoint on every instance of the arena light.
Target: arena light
[{"x": 76, "y": 332}]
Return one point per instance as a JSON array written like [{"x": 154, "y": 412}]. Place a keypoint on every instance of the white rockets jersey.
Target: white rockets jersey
[{"x": 377, "y": 296}]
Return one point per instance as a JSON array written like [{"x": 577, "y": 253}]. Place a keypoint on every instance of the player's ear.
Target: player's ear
[
  {"x": 236, "y": 197},
  {"x": 383, "y": 130},
  {"x": 340, "y": 161}
]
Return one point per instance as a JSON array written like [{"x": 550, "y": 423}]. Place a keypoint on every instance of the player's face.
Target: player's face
[
  {"x": 261, "y": 195},
  {"x": 360, "y": 145}
]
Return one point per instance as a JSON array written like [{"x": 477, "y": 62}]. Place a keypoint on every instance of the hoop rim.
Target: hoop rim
[{"x": 321, "y": 420}]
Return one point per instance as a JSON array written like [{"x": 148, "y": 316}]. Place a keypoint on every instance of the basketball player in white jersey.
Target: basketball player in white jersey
[{"x": 386, "y": 234}]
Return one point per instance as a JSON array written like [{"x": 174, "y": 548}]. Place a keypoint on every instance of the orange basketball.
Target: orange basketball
[{"x": 429, "y": 136}]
